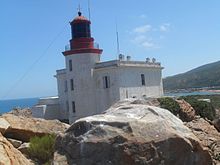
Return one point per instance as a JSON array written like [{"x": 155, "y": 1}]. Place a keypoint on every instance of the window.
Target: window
[
  {"x": 72, "y": 84},
  {"x": 70, "y": 65},
  {"x": 81, "y": 30},
  {"x": 142, "y": 79},
  {"x": 67, "y": 106},
  {"x": 66, "y": 87},
  {"x": 106, "y": 82},
  {"x": 126, "y": 93},
  {"x": 73, "y": 107}
]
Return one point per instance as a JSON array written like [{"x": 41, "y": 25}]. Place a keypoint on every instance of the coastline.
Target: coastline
[
  {"x": 194, "y": 91},
  {"x": 8, "y": 105}
]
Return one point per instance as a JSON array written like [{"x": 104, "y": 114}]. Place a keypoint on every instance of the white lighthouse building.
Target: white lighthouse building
[{"x": 88, "y": 86}]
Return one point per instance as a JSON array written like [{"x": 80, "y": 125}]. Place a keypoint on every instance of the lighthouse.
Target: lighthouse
[
  {"x": 80, "y": 61},
  {"x": 89, "y": 86}
]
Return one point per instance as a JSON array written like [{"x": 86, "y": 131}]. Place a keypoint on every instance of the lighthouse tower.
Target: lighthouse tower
[
  {"x": 80, "y": 61},
  {"x": 88, "y": 86}
]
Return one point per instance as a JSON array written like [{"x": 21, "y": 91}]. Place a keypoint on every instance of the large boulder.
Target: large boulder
[
  {"x": 130, "y": 133},
  {"x": 187, "y": 112},
  {"x": 9, "y": 155},
  {"x": 208, "y": 135},
  {"x": 4, "y": 125},
  {"x": 216, "y": 123},
  {"x": 23, "y": 128}
]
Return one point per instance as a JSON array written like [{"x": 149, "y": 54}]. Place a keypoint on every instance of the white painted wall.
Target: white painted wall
[
  {"x": 83, "y": 94},
  {"x": 89, "y": 94},
  {"x": 38, "y": 111},
  {"x": 130, "y": 82},
  {"x": 47, "y": 108},
  {"x": 125, "y": 81},
  {"x": 63, "y": 87},
  {"x": 105, "y": 97},
  {"x": 52, "y": 112}
]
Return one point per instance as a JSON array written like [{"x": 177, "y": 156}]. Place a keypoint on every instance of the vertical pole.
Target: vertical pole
[
  {"x": 89, "y": 10},
  {"x": 117, "y": 37}
]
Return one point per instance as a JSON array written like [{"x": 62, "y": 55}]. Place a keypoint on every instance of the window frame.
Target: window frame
[
  {"x": 106, "y": 82},
  {"x": 72, "y": 84},
  {"x": 66, "y": 86},
  {"x": 70, "y": 65},
  {"x": 143, "y": 81},
  {"x": 73, "y": 107}
]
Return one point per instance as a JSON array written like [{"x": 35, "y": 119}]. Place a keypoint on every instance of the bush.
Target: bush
[
  {"x": 202, "y": 108},
  {"x": 169, "y": 104},
  {"x": 42, "y": 148}
]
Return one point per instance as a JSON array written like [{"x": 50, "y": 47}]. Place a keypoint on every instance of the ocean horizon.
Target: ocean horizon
[{"x": 8, "y": 105}]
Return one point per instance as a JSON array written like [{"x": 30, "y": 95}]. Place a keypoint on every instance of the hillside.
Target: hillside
[{"x": 204, "y": 76}]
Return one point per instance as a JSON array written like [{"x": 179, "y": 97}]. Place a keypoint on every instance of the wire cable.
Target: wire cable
[{"x": 32, "y": 65}]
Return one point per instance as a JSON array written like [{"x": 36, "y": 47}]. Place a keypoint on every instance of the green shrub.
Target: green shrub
[
  {"x": 169, "y": 104},
  {"x": 202, "y": 108},
  {"x": 42, "y": 148}
]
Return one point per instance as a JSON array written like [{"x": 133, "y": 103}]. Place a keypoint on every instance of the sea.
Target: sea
[
  {"x": 192, "y": 93},
  {"x": 8, "y": 105}
]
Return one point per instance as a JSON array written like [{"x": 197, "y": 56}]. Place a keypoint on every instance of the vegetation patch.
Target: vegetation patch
[
  {"x": 42, "y": 148},
  {"x": 215, "y": 99},
  {"x": 169, "y": 104},
  {"x": 202, "y": 108},
  {"x": 203, "y": 76}
]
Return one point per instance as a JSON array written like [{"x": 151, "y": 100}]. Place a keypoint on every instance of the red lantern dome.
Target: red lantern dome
[
  {"x": 80, "y": 19},
  {"x": 81, "y": 41}
]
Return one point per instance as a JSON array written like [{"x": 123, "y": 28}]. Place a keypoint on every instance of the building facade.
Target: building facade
[{"x": 88, "y": 86}]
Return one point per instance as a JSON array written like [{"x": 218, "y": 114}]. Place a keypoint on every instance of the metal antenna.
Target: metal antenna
[
  {"x": 89, "y": 10},
  {"x": 117, "y": 36},
  {"x": 79, "y": 10}
]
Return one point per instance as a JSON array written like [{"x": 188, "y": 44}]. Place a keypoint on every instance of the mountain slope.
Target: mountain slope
[{"x": 204, "y": 76}]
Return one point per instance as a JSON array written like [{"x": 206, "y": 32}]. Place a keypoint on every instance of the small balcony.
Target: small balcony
[
  {"x": 95, "y": 45},
  {"x": 67, "y": 47}
]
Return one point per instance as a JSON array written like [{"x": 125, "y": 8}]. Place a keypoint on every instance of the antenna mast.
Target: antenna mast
[
  {"x": 117, "y": 37},
  {"x": 89, "y": 9},
  {"x": 79, "y": 10}
]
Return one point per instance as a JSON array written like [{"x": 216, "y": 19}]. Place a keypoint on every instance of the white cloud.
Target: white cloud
[
  {"x": 142, "y": 16},
  {"x": 146, "y": 35},
  {"x": 142, "y": 29},
  {"x": 139, "y": 39},
  {"x": 148, "y": 45},
  {"x": 165, "y": 27},
  {"x": 144, "y": 41}
]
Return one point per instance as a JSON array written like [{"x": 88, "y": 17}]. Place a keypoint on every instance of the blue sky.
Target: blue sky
[{"x": 180, "y": 34}]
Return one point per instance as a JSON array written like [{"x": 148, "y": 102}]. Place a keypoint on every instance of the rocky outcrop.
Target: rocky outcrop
[
  {"x": 26, "y": 112},
  {"x": 24, "y": 148},
  {"x": 208, "y": 135},
  {"x": 23, "y": 128},
  {"x": 4, "y": 125},
  {"x": 216, "y": 123},
  {"x": 15, "y": 143},
  {"x": 9, "y": 155},
  {"x": 130, "y": 133},
  {"x": 187, "y": 113}
]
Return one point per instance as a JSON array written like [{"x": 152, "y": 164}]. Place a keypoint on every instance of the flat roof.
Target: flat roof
[{"x": 118, "y": 63}]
